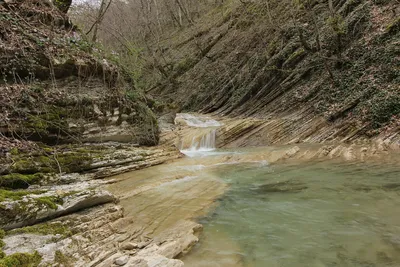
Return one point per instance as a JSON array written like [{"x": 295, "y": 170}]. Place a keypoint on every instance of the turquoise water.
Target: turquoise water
[{"x": 316, "y": 214}]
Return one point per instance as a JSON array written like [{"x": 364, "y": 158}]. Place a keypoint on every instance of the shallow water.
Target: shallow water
[
  {"x": 310, "y": 214},
  {"x": 316, "y": 214}
]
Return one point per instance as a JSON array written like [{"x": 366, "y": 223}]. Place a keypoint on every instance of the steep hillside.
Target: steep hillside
[
  {"x": 323, "y": 71},
  {"x": 57, "y": 88},
  {"x": 68, "y": 116}
]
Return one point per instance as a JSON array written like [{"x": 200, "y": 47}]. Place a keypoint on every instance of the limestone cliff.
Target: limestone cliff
[{"x": 319, "y": 70}]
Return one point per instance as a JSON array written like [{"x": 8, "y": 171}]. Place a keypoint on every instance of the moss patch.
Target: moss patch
[
  {"x": 74, "y": 162},
  {"x": 17, "y": 180},
  {"x": 66, "y": 161},
  {"x": 2, "y": 233},
  {"x": 44, "y": 229},
  {"x": 16, "y": 195},
  {"x": 21, "y": 260},
  {"x": 61, "y": 259},
  {"x": 50, "y": 201}
]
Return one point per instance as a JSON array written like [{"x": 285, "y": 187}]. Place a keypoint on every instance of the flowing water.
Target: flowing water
[
  {"x": 315, "y": 214},
  {"x": 203, "y": 139},
  {"x": 320, "y": 214}
]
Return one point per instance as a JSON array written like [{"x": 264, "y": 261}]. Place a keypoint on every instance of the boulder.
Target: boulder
[{"x": 32, "y": 209}]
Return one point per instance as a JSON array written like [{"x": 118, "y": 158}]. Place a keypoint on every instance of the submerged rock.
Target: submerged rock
[{"x": 282, "y": 187}]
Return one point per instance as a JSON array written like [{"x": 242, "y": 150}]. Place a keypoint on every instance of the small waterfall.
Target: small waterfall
[
  {"x": 195, "y": 121},
  {"x": 200, "y": 137},
  {"x": 208, "y": 140},
  {"x": 205, "y": 142}
]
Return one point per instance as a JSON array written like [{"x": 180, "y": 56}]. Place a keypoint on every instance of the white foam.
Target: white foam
[
  {"x": 199, "y": 122},
  {"x": 204, "y": 143},
  {"x": 176, "y": 181}
]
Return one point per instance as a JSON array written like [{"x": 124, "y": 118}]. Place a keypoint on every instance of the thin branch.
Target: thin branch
[{"x": 99, "y": 17}]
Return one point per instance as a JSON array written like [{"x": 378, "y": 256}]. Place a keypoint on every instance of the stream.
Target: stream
[{"x": 320, "y": 213}]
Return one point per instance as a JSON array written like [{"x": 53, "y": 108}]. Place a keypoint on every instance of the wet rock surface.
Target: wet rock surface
[{"x": 152, "y": 224}]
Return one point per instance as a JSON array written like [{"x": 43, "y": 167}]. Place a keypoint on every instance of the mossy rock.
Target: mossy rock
[
  {"x": 16, "y": 195},
  {"x": 21, "y": 260},
  {"x": 18, "y": 181},
  {"x": 27, "y": 211},
  {"x": 48, "y": 127},
  {"x": 50, "y": 202},
  {"x": 73, "y": 161},
  {"x": 44, "y": 229}
]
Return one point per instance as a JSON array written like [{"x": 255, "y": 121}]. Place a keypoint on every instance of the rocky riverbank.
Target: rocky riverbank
[
  {"x": 69, "y": 117},
  {"x": 154, "y": 221},
  {"x": 73, "y": 126},
  {"x": 314, "y": 139},
  {"x": 33, "y": 198}
]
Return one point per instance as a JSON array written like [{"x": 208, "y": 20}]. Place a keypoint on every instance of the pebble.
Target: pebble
[
  {"x": 129, "y": 246},
  {"x": 121, "y": 261}
]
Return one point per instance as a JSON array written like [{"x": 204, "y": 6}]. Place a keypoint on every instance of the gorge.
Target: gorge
[{"x": 199, "y": 133}]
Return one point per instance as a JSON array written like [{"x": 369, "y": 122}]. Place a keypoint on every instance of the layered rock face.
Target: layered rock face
[
  {"x": 57, "y": 93},
  {"x": 58, "y": 88},
  {"x": 68, "y": 117},
  {"x": 321, "y": 71}
]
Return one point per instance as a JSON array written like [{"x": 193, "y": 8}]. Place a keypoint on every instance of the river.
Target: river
[{"x": 321, "y": 213}]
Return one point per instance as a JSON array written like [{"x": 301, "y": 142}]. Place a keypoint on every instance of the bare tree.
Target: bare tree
[{"x": 100, "y": 16}]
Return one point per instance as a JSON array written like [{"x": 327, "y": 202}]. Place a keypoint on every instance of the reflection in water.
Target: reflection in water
[{"x": 320, "y": 214}]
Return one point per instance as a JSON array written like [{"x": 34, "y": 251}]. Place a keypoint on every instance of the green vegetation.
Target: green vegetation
[
  {"x": 21, "y": 260},
  {"x": 61, "y": 259},
  {"x": 383, "y": 110},
  {"x": 68, "y": 161},
  {"x": 2, "y": 234},
  {"x": 298, "y": 53},
  {"x": 184, "y": 65},
  {"x": 44, "y": 229},
  {"x": 50, "y": 201},
  {"x": 337, "y": 24},
  {"x": 394, "y": 26},
  {"x": 51, "y": 121},
  {"x": 17, "y": 259},
  {"x": 17, "y": 180},
  {"x": 16, "y": 195}
]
